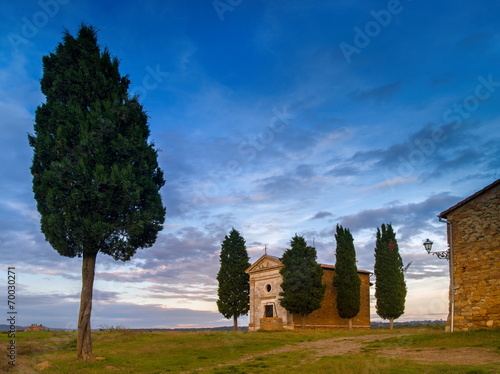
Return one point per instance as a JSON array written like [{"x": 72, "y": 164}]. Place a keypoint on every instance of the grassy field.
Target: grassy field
[{"x": 372, "y": 351}]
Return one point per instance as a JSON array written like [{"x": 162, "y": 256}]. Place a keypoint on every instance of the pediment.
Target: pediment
[{"x": 266, "y": 262}]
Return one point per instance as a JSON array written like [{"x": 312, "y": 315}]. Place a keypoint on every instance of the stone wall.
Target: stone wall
[
  {"x": 271, "y": 324},
  {"x": 476, "y": 261},
  {"x": 327, "y": 316}
]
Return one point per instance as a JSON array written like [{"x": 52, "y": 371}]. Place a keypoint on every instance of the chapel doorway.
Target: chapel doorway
[{"x": 269, "y": 311}]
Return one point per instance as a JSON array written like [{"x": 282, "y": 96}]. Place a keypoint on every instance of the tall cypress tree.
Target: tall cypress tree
[
  {"x": 234, "y": 289},
  {"x": 390, "y": 285},
  {"x": 302, "y": 286},
  {"x": 346, "y": 280},
  {"x": 96, "y": 178}
]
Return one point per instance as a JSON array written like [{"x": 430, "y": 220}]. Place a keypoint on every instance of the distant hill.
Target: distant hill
[
  {"x": 374, "y": 325},
  {"x": 409, "y": 324},
  {"x": 7, "y": 328},
  {"x": 221, "y": 328}
]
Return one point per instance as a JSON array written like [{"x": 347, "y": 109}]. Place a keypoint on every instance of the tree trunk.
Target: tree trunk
[
  {"x": 235, "y": 323},
  {"x": 303, "y": 322},
  {"x": 84, "y": 339},
  {"x": 391, "y": 323},
  {"x": 350, "y": 323}
]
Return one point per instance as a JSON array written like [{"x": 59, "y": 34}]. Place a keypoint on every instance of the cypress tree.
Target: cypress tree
[
  {"x": 390, "y": 285},
  {"x": 234, "y": 289},
  {"x": 346, "y": 280},
  {"x": 302, "y": 287},
  {"x": 96, "y": 179}
]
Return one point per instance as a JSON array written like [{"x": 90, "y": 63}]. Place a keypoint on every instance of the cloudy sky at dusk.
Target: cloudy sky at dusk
[{"x": 272, "y": 117}]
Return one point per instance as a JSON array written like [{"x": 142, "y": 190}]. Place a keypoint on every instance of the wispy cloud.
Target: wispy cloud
[
  {"x": 377, "y": 95},
  {"x": 321, "y": 215},
  {"x": 411, "y": 218}
]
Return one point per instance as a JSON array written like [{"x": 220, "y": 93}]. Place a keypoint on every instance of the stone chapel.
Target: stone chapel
[{"x": 266, "y": 313}]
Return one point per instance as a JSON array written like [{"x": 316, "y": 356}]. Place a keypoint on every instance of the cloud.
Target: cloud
[
  {"x": 412, "y": 218},
  {"x": 195, "y": 292},
  {"x": 321, "y": 215},
  {"x": 477, "y": 40},
  {"x": 467, "y": 157},
  {"x": 377, "y": 95},
  {"x": 15, "y": 123},
  {"x": 344, "y": 170},
  {"x": 104, "y": 296},
  {"x": 187, "y": 242},
  {"x": 305, "y": 171},
  {"x": 182, "y": 264},
  {"x": 441, "y": 80},
  {"x": 61, "y": 311},
  {"x": 439, "y": 149},
  {"x": 424, "y": 266},
  {"x": 280, "y": 186},
  {"x": 392, "y": 183},
  {"x": 487, "y": 177}
]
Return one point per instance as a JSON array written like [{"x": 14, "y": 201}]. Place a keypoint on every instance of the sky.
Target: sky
[{"x": 274, "y": 118}]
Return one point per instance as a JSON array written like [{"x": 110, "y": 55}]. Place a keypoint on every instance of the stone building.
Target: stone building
[
  {"x": 266, "y": 313},
  {"x": 35, "y": 328},
  {"x": 474, "y": 224}
]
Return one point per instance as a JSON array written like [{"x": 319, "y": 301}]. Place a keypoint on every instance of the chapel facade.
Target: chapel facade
[{"x": 266, "y": 313}]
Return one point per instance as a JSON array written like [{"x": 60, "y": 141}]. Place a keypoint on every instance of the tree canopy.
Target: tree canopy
[
  {"x": 390, "y": 285},
  {"x": 302, "y": 287},
  {"x": 346, "y": 279},
  {"x": 96, "y": 178},
  {"x": 234, "y": 289}
]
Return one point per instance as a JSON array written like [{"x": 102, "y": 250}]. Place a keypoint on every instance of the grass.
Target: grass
[
  {"x": 127, "y": 351},
  {"x": 459, "y": 339}
]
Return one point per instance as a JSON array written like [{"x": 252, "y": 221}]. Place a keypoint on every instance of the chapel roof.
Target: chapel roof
[
  {"x": 277, "y": 263},
  {"x": 332, "y": 267}
]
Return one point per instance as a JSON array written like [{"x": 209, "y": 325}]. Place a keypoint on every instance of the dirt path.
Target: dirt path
[
  {"x": 456, "y": 356},
  {"x": 354, "y": 345}
]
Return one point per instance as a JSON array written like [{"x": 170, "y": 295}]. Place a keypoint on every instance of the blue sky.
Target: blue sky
[{"x": 272, "y": 117}]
